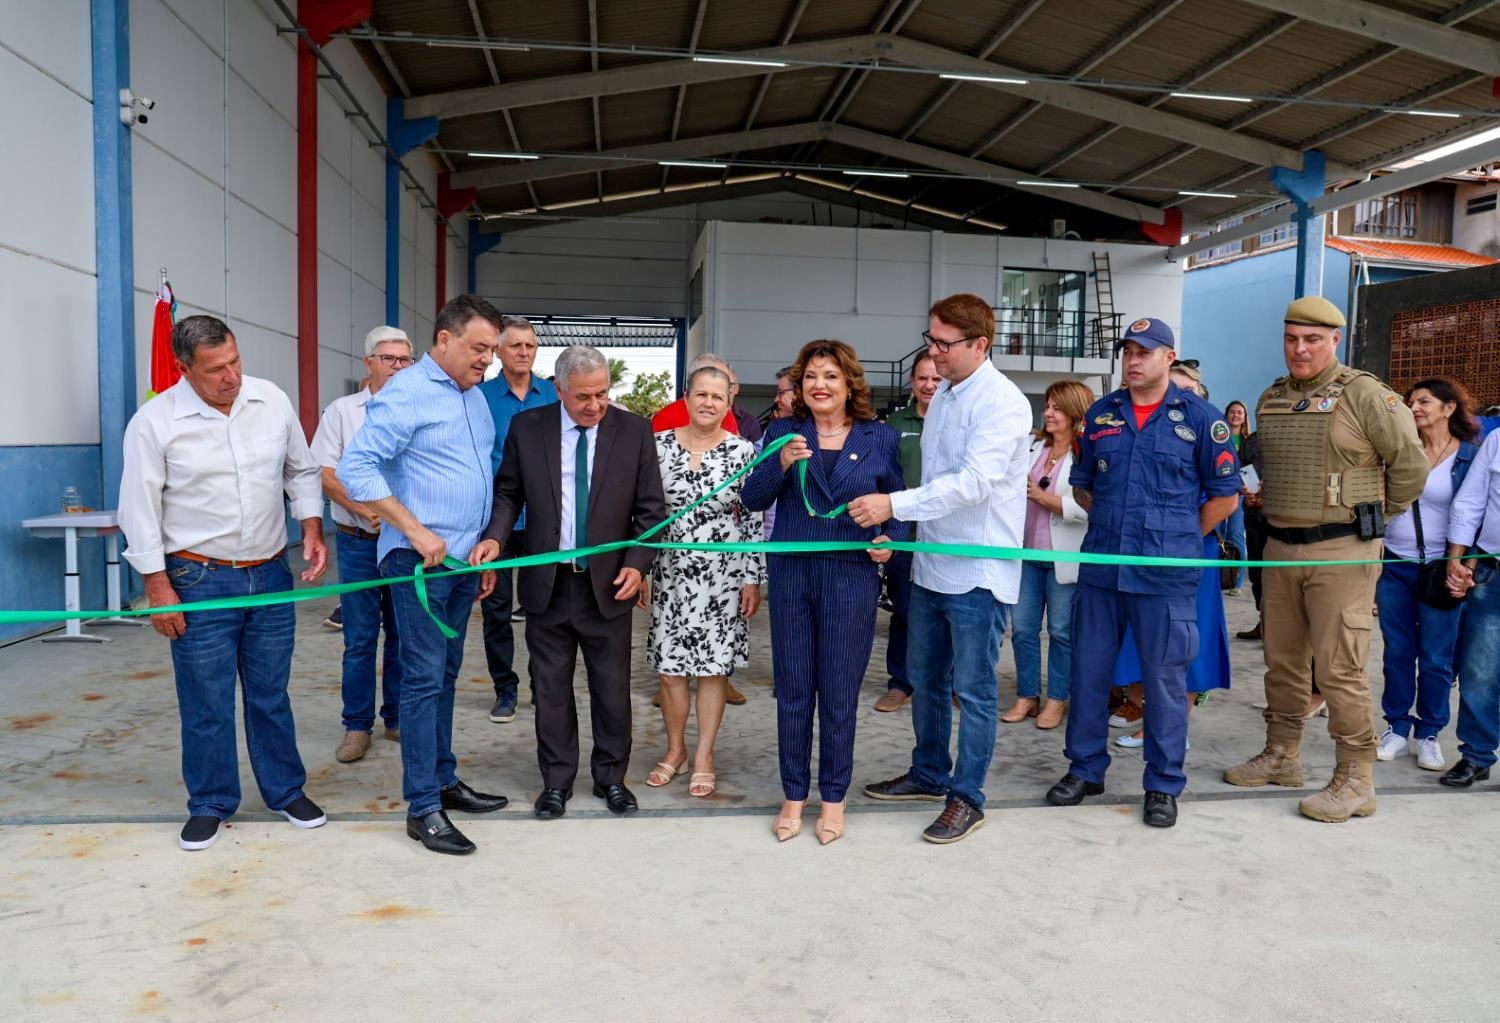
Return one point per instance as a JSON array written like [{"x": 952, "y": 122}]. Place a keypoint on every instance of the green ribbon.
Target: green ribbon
[
  {"x": 420, "y": 575},
  {"x": 802, "y": 484}
]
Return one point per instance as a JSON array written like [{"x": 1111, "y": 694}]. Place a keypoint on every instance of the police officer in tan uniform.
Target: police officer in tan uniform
[{"x": 1339, "y": 456}]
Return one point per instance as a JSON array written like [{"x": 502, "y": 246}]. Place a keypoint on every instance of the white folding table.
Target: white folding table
[{"x": 70, "y": 526}]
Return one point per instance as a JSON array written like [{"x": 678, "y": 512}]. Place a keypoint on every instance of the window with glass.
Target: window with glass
[
  {"x": 1228, "y": 248},
  {"x": 1041, "y": 313},
  {"x": 1389, "y": 216}
]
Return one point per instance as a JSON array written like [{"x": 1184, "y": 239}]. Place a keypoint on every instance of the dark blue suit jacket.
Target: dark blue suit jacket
[{"x": 868, "y": 464}]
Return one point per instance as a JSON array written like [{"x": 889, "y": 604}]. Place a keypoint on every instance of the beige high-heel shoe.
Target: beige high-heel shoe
[
  {"x": 827, "y": 832},
  {"x": 786, "y": 828}
]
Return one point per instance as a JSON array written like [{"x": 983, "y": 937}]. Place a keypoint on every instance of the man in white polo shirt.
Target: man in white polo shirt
[
  {"x": 387, "y": 351},
  {"x": 206, "y": 464}
]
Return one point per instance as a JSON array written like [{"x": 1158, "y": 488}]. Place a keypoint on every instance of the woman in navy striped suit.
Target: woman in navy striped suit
[{"x": 823, "y": 605}]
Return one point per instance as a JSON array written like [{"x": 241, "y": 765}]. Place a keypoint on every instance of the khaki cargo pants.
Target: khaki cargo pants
[{"x": 1320, "y": 615}]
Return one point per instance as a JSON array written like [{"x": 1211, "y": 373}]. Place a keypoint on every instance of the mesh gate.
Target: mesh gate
[{"x": 1461, "y": 341}]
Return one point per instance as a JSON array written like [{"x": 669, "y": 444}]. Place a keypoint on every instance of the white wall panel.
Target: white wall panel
[
  {"x": 334, "y": 131},
  {"x": 367, "y": 238},
  {"x": 49, "y": 310},
  {"x": 179, "y": 224},
  {"x": 262, "y": 270},
  {"x": 338, "y": 374},
  {"x": 367, "y": 170},
  {"x": 262, "y": 155},
  {"x": 268, "y": 354},
  {"x": 333, "y": 213},
  {"x": 262, "y": 57},
  {"x": 334, "y": 301},
  {"x": 171, "y": 65},
  {"x": 59, "y": 43},
  {"x": 49, "y": 138},
  {"x": 367, "y": 311},
  {"x": 204, "y": 17}
]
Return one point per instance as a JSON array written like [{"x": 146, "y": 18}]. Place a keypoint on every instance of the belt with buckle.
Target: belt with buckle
[
  {"x": 355, "y": 531},
  {"x": 574, "y": 567},
  {"x": 1311, "y": 534},
  {"x": 204, "y": 559}
]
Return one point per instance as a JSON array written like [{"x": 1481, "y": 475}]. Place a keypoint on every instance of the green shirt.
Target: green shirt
[{"x": 908, "y": 424}]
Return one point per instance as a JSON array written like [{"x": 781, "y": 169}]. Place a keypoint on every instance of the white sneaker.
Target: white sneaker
[
  {"x": 1391, "y": 746},
  {"x": 1429, "y": 754}
]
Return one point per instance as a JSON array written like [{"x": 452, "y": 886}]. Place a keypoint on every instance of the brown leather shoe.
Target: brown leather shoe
[
  {"x": 1051, "y": 714},
  {"x": 1024, "y": 707},
  {"x": 893, "y": 700},
  {"x": 733, "y": 696},
  {"x": 354, "y": 747}
]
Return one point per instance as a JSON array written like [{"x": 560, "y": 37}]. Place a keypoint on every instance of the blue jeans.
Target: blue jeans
[
  {"x": 254, "y": 645},
  {"x": 1420, "y": 643},
  {"x": 954, "y": 645},
  {"x": 1041, "y": 591},
  {"x": 898, "y": 586},
  {"x": 429, "y": 669},
  {"x": 365, "y": 611},
  {"x": 1479, "y": 669}
]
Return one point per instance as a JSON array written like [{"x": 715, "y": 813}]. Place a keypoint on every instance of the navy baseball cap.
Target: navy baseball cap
[{"x": 1148, "y": 333}]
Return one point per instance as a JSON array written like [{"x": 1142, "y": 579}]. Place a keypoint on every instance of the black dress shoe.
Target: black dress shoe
[
  {"x": 459, "y": 796},
  {"x": 437, "y": 833},
  {"x": 552, "y": 803},
  {"x": 1464, "y": 773},
  {"x": 902, "y": 788},
  {"x": 617, "y": 797},
  {"x": 1071, "y": 790},
  {"x": 1160, "y": 810}
]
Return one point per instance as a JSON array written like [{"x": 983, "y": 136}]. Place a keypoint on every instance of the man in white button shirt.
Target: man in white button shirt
[
  {"x": 387, "y": 351},
  {"x": 974, "y": 452},
  {"x": 206, "y": 464}
]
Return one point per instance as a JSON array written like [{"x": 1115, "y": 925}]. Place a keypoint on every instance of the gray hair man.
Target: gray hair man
[
  {"x": 387, "y": 351},
  {"x": 207, "y": 462},
  {"x": 586, "y": 474}
]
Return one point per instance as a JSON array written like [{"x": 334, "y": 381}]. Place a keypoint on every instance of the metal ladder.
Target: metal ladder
[{"x": 1104, "y": 292}]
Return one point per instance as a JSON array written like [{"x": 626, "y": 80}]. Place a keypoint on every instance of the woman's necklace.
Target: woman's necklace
[
  {"x": 833, "y": 433},
  {"x": 1440, "y": 455}
]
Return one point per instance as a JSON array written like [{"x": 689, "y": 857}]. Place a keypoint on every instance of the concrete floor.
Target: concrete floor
[{"x": 1244, "y": 911}]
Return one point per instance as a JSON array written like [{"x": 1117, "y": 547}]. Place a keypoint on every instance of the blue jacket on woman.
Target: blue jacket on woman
[
  {"x": 1462, "y": 462},
  {"x": 869, "y": 463}
]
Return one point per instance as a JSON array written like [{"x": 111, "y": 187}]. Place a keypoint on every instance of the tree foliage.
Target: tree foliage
[{"x": 648, "y": 394}]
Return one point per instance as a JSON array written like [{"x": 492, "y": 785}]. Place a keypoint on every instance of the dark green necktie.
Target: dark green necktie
[{"x": 581, "y": 492}]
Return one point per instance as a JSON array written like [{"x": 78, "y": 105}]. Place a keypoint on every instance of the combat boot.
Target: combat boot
[
  {"x": 1351, "y": 793},
  {"x": 1271, "y": 766}
]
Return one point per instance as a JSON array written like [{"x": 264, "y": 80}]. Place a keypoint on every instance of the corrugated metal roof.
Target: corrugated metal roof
[{"x": 1213, "y": 46}]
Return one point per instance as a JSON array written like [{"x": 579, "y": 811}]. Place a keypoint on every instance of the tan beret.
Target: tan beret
[{"x": 1312, "y": 311}]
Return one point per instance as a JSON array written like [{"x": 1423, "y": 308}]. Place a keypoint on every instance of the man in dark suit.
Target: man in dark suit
[{"x": 586, "y": 473}]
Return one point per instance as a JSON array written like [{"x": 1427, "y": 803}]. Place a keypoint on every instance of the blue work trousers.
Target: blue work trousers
[
  {"x": 1479, "y": 668},
  {"x": 365, "y": 613}
]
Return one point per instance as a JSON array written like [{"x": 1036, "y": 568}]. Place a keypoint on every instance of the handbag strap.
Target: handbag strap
[{"x": 1416, "y": 510}]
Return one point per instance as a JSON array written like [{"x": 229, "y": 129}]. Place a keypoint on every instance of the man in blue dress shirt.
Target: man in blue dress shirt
[
  {"x": 516, "y": 389},
  {"x": 422, "y": 461}
]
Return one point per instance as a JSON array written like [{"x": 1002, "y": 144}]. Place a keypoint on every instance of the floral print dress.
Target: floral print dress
[{"x": 696, "y": 626}]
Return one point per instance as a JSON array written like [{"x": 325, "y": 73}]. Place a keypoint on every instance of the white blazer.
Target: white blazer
[{"x": 1069, "y": 527}]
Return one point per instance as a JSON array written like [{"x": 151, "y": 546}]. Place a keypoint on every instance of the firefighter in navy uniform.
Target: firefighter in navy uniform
[
  {"x": 1339, "y": 455},
  {"x": 1157, "y": 472}
]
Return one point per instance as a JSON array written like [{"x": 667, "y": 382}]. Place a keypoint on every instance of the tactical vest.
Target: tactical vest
[{"x": 1303, "y": 478}]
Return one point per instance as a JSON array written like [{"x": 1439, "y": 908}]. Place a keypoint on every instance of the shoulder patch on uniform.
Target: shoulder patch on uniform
[
  {"x": 1219, "y": 431},
  {"x": 1392, "y": 402}
]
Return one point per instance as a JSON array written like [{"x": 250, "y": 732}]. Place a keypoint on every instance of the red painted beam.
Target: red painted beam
[
  {"x": 449, "y": 202},
  {"x": 321, "y": 18},
  {"x": 1169, "y": 233}
]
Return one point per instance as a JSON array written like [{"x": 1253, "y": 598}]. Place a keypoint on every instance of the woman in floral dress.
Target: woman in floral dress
[{"x": 701, "y": 601}]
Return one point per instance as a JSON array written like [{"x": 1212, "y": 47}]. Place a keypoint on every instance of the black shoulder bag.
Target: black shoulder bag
[{"x": 1432, "y": 576}]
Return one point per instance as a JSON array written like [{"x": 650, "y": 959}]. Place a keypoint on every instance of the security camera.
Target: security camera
[{"x": 131, "y": 106}]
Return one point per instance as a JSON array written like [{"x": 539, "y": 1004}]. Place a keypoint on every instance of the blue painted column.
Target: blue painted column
[
  {"x": 114, "y": 240},
  {"x": 1302, "y": 188},
  {"x": 404, "y": 135},
  {"x": 479, "y": 244}
]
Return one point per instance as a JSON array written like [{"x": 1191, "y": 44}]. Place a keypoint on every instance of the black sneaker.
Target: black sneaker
[
  {"x": 955, "y": 823},
  {"x": 518, "y": 614},
  {"x": 504, "y": 710},
  {"x": 335, "y": 620},
  {"x": 304, "y": 813},
  {"x": 902, "y": 788},
  {"x": 200, "y": 832}
]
